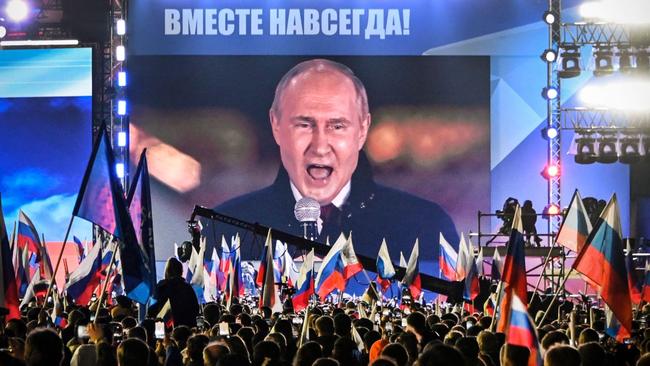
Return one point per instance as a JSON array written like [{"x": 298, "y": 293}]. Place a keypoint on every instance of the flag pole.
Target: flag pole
[
  {"x": 58, "y": 262},
  {"x": 13, "y": 239},
  {"x": 108, "y": 276},
  {"x": 539, "y": 279},
  {"x": 555, "y": 295}
]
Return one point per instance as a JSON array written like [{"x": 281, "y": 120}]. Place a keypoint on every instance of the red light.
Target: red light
[
  {"x": 551, "y": 171},
  {"x": 553, "y": 210}
]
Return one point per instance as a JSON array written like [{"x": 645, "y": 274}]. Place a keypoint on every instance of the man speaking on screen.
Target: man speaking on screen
[{"x": 320, "y": 120}]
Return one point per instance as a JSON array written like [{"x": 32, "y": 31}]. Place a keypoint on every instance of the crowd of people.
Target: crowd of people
[{"x": 336, "y": 334}]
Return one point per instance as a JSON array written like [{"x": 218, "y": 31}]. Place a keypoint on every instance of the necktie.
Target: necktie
[{"x": 328, "y": 213}]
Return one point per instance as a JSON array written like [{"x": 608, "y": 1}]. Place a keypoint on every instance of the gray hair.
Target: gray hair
[{"x": 320, "y": 65}]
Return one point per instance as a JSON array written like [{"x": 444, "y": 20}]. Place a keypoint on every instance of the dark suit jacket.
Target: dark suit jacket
[
  {"x": 185, "y": 306},
  {"x": 371, "y": 212}
]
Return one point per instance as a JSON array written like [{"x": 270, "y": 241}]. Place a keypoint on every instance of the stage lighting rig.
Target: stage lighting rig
[
  {"x": 550, "y": 132},
  {"x": 624, "y": 59},
  {"x": 586, "y": 150},
  {"x": 604, "y": 64},
  {"x": 607, "y": 153},
  {"x": 642, "y": 61},
  {"x": 570, "y": 62},
  {"x": 630, "y": 151}
]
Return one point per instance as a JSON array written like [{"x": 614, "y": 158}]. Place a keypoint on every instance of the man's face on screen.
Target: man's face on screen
[{"x": 320, "y": 130}]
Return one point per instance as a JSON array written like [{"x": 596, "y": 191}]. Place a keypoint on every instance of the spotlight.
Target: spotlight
[
  {"x": 551, "y": 171},
  {"x": 551, "y": 210},
  {"x": 121, "y": 107},
  {"x": 550, "y": 132},
  {"x": 120, "y": 27},
  {"x": 604, "y": 65},
  {"x": 570, "y": 62},
  {"x": 119, "y": 169},
  {"x": 549, "y": 17},
  {"x": 120, "y": 53},
  {"x": 586, "y": 151},
  {"x": 121, "y": 79},
  {"x": 642, "y": 61},
  {"x": 549, "y": 55},
  {"x": 549, "y": 93},
  {"x": 630, "y": 152},
  {"x": 121, "y": 139},
  {"x": 17, "y": 10},
  {"x": 607, "y": 148},
  {"x": 624, "y": 59}
]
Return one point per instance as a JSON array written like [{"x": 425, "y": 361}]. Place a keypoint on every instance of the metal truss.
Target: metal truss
[
  {"x": 581, "y": 33},
  {"x": 553, "y": 118},
  {"x": 604, "y": 120}
]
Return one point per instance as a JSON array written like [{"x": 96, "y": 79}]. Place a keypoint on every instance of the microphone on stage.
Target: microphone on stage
[{"x": 307, "y": 211}]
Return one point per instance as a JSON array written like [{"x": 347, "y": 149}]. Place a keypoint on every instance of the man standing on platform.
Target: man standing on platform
[{"x": 320, "y": 120}]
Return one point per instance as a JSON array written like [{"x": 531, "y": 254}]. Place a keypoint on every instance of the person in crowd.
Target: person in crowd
[{"x": 181, "y": 296}]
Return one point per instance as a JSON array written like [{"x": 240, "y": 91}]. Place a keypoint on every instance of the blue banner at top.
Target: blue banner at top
[{"x": 304, "y": 27}]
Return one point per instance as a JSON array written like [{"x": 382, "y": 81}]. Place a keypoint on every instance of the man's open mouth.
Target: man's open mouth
[{"x": 317, "y": 171}]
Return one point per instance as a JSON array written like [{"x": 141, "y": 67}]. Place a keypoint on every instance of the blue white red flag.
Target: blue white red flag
[
  {"x": 603, "y": 262},
  {"x": 385, "y": 268},
  {"x": 466, "y": 268},
  {"x": 576, "y": 225},
  {"x": 448, "y": 260},
  {"x": 520, "y": 331},
  {"x": 269, "y": 296},
  {"x": 330, "y": 276},
  {"x": 411, "y": 278},
  {"x": 86, "y": 277},
  {"x": 304, "y": 284}
]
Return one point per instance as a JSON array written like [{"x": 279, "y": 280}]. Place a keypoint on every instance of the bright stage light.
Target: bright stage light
[
  {"x": 551, "y": 171},
  {"x": 3, "y": 31},
  {"x": 549, "y": 93},
  {"x": 617, "y": 11},
  {"x": 121, "y": 79},
  {"x": 120, "y": 27},
  {"x": 551, "y": 132},
  {"x": 120, "y": 53},
  {"x": 121, "y": 139},
  {"x": 121, "y": 107},
  {"x": 627, "y": 95},
  {"x": 549, "y": 17},
  {"x": 552, "y": 210},
  {"x": 17, "y": 10},
  {"x": 119, "y": 169},
  {"x": 549, "y": 55}
]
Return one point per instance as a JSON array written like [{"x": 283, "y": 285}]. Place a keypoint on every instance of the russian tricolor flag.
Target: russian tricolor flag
[
  {"x": 86, "y": 277},
  {"x": 466, "y": 268},
  {"x": 28, "y": 238},
  {"x": 633, "y": 284},
  {"x": 412, "y": 275},
  {"x": 304, "y": 284},
  {"x": 521, "y": 331},
  {"x": 603, "y": 262},
  {"x": 269, "y": 297},
  {"x": 448, "y": 260},
  {"x": 330, "y": 275},
  {"x": 224, "y": 265},
  {"x": 576, "y": 225},
  {"x": 385, "y": 268},
  {"x": 514, "y": 267}
]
